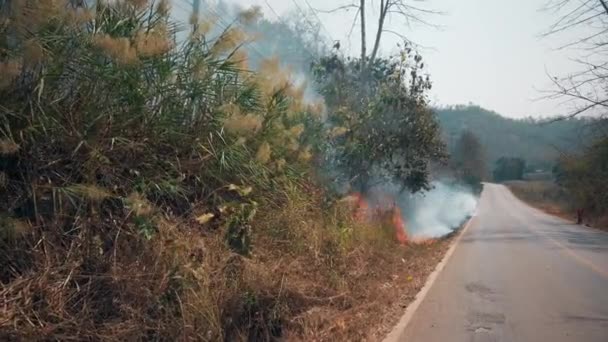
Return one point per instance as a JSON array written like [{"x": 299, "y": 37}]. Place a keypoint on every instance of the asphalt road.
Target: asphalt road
[{"x": 517, "y": 274}]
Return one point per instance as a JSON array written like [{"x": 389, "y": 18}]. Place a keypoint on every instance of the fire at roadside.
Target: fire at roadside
[{"x": 416, "y": 218}]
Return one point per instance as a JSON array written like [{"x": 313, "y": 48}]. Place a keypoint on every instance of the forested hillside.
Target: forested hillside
[{"x": 538, "y": 142}]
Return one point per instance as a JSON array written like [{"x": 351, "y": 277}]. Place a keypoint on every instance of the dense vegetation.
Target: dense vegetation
[
  {"x": 509, "y": 168},
  {"x": 468, "y": 161},
  {"x": 585, "y": 177},
  {"x": 382, "y": 128},
  {"x": 154, "y": 188}
]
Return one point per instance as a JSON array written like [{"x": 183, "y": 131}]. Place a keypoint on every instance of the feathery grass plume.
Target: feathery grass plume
[
  {"x": 3, "y": 180},
  {"x": 11, "y": 228},
  {"x": 30, "y": 15},
  {"x": 271, "y": 77},
  {"x": 200, "y": 70},
  {"x": 239, "y": 124},
  {"x": 264, "y": 153},
  {"x": 338, "y": 132},
  {"x": 280, "y": 164},
  {"x": 243, "y": 125},
  {"x": 9, "y": 71},
  {"x": 297, "y": 92},
  {"x": 154, "y": 42},
  {"x": 228, "y": 41},
  {"x": 33, "y": 53},
  {"x": 270, "y": 66},
  {"x": 193, "y": 18},
  {"x": 240, "y": 60},
  {"x": 241, "y": 141},
  {"x": 119, "y": 49},
  {"x": 296, "y": 131},
  {"x": 78, "y": 16},
  {"x": 305, "y": 156},
  {"x": 201, "y": 27},
  {"x": 91, "y": 192},
  {"x": 250, "y": 15},
  {"x": 293, "y": 145},
  {"x": 138, "y": 4},
  {"x": 316, "y": 109},
  {"x": 163, "y": 8},
  {"x": 7, "y": 146},
  {"x": 139, "y": 204},
  {"x": 230, "y": 109}
]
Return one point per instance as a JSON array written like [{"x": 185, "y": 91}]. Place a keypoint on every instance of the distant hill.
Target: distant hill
[{"x": 538, "y": 142}]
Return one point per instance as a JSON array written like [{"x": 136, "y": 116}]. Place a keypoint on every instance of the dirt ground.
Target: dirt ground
[
  {"x": 408, "y": 282},
  {"x": 383, "y": 292}
]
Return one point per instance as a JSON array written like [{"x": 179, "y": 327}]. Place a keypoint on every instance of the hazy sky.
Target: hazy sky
[{"x": 488, "y": 52}]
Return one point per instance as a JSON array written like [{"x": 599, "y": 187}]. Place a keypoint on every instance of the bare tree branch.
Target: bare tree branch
[
  {"x": 587, "y": 89},
  {"x": 407, "y": 10},
  {"x": 340, "y": 8}
]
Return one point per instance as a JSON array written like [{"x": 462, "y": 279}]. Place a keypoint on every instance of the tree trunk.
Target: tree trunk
[
  {"x": 384, "y": 4},
  {"x": 363, "y": 37}
]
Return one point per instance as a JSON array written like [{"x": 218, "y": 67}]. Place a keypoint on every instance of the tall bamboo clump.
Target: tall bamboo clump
[{"x": 115, "y": 127}]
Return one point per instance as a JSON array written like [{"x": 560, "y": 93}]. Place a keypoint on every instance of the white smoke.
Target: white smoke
[{"x": 437, "y": 212}]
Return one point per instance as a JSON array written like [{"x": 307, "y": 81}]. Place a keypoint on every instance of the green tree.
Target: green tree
[
  {"x": 585, "y": 175},
  {"x": 468, "y": 159},
  {"x": 509, "y": 169},
  {"x": 384, "y": 131}
]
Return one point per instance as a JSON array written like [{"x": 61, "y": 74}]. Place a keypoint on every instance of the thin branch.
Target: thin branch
[
  {"x": 340, "y": 8},
  {"x": 604, "y": 5}
]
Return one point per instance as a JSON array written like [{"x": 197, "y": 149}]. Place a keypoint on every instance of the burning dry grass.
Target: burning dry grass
[
  {"x": 314, "y": 274},
  {"x": 352, "y": 277}
]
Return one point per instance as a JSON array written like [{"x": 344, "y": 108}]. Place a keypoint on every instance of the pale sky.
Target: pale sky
[{"x": 487, "y": 52}]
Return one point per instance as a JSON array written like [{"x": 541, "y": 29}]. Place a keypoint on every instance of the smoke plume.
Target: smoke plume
[
  {"x": 439, "y": 211},
  {"x": 434, "y": 213}
]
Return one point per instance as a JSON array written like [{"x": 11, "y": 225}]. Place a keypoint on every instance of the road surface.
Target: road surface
[{"x": 517, "y": 274}]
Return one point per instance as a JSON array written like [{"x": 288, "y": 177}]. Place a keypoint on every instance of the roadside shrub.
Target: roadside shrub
[{"x": 117, "y": 139}]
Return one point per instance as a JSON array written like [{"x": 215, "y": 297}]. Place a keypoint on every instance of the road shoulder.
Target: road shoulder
[{"x": 401, "y": 325}]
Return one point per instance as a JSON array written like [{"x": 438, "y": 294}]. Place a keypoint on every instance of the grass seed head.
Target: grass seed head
[
  {"x": 163, "y": 8},
  {"x": 243, "y": 125},
  {"x": 338, "y": 132},
  {"x": 119, "y": 49},
  {"x": 228, "y": 41},
  {"x": 153, "y": 43},
  {"x": 9, "y": 71},
  {"x": 264, "y": 153},
  {"x": 250, "y": 15},
  {"x": 33, "y": 53}
]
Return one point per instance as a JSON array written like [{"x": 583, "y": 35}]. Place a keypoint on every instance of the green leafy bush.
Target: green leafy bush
[{"x": 381, "y": 127}]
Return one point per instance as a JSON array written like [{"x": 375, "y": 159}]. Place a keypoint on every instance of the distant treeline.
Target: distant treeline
[{"x": 538, "y": 142}]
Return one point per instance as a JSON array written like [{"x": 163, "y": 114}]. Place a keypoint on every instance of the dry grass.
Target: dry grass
[
  {"x": 544, "y": 195},
  {"x": 552, "y": 199},
  {"x": 313, "y": 274}
]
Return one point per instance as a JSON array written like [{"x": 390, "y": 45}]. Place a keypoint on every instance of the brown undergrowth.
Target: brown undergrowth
[
  {"x": 554, "y": 200},
  {"x": 314, "y": 274}
]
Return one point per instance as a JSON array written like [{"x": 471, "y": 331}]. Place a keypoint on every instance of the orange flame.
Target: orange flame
[
  {"x": 362, "y": 213},
  {"x": 362, "y": 208},
  {"x": 399, "y": 225}
]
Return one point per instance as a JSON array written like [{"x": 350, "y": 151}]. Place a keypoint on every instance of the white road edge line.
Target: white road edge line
[{"x": 399, "y": 329}]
